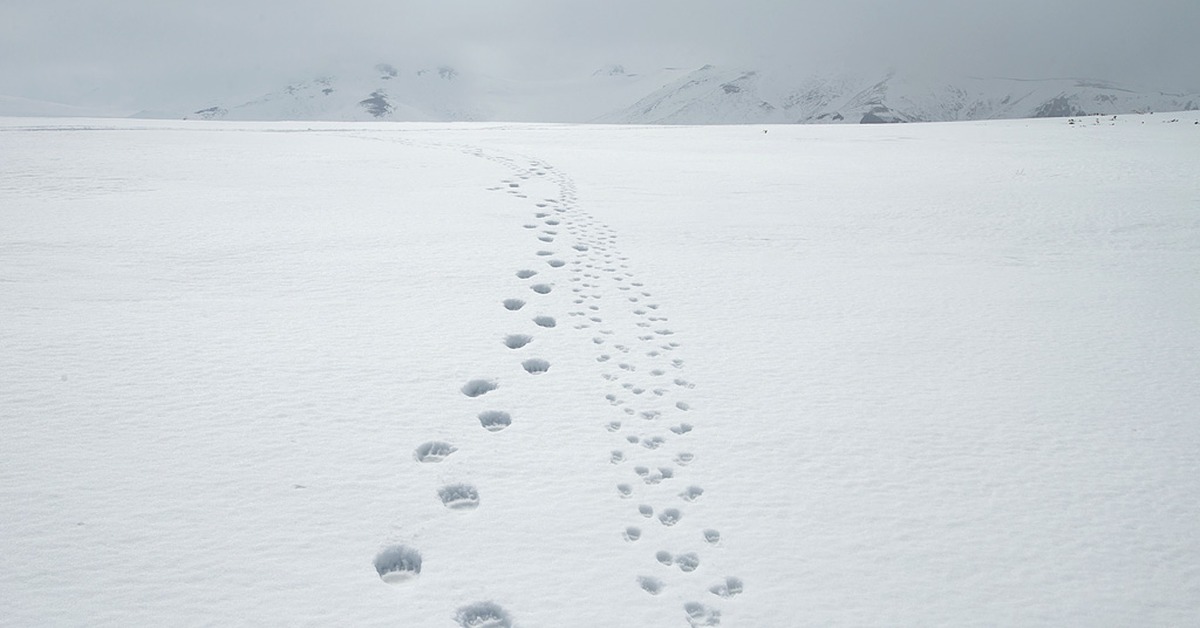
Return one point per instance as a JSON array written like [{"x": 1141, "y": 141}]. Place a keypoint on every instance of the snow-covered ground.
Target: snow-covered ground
[{"x": 939, "y": 374}]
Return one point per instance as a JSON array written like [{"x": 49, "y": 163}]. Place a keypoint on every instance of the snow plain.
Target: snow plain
[{"x": 938, "y": 374}]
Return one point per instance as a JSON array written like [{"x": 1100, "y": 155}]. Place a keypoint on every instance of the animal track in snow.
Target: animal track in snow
[
  {"x": 687, "y": 562},
  {"x": 701, "y": 615},
  {"x": 682, "y": 428},
  {"x": 653, "y": 442},
  {"x": 516, "y": 341},
  {"x": 546, "y": 238},
  {"x": 477, "y": 387},
  {"x": 556, "y": 263},
  {"x": 625, "y": 491},
  {"x": 711, "y": 536},
  {"x": 664, "y": 557},
  {"x": 646, "y": 510},
  {"x": 617, "y": 457},
  {"x": 535, "y": 366},
  {"x": 513, "y": 304},
  {"x": 433, "y": 451},
  {"x": 731, "y": 587},
  {"x": 691, "y": 493},
  {"x": 670, "y": 516},
  {"x": 540, "y": 288},
  {"x": 459, "y": 496},
  {"x": 684, "y": 458},
  {"x": 613, "y": 426},
  {"x": 653, "y": 586},
  {"x": 526, "y": 274},
  {"x": 683, "y": 405},
  {"x": 544, "y": 321},
  {"x": 632, "y": 533},
  {"x": 398, "y": 563},
  {"x": 494, "y": 420},
  {"x": 483, "y": 615},
  {"x": 545, "y": 253}
]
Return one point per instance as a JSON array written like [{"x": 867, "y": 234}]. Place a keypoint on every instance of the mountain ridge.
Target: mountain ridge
[{"x": 710, "y": 94}]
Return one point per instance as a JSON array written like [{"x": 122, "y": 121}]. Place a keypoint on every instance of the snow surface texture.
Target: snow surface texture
[{"x": 281, "y": 374}]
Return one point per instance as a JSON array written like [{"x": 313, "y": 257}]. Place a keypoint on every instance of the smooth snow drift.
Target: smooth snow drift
[{"x": 306, "y": 374}]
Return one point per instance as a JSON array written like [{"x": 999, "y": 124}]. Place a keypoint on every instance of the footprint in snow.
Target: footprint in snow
[
  {"x": 397, "y": 564},
  {"x": 653, "y": 586},
  {"x": 730, "y": 588},
  {"x": 556, "y": 263},
  {"x": 433, "y": 451},
  {"x": 670, "y": 516},
  {"x": 691, "y": 493},
  {"x": 477, "y": 387},
  {"x": 459, "y": 496},
  {"x": 544, "y": 321},
  {"x": 494, "y": 420},
  {"x": 540, "y": 288},
  {"x": 513, "y": 305},
  {"x": 516, "y": 341},
  {"x": 711, "y": 536},
  {"x": 688, "y": 562},
  {"x": 526, "y": 273},
  {"x": 535, "y": 366},
  {"x": 701, "y": 615},
  {"x": 483, "y": 615},
  {"x": 632, "y": 533}
]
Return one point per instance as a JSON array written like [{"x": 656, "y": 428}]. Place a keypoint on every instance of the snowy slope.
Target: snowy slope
[
  {"x": 933, "y": 374},
  {"x": 440, "y": 93},
  {"x": 713, "y": 95}
]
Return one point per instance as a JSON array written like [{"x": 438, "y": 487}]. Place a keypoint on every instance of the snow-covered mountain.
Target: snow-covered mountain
[
  {"x": 708, "y": 95},
  {"x": 441, "y": 93},
  {"x": 728, "y": 95}
]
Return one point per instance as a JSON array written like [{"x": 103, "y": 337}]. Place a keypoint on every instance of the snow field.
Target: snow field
[{"x": 300, "y": 374}]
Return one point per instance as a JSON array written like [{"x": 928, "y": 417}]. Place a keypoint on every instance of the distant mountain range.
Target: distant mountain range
[
  {"x": 745, "y": 96},
  {"x": 707, "y": 95}
]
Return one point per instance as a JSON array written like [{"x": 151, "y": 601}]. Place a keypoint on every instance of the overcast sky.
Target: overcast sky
[{"x": 65, "y": 49}]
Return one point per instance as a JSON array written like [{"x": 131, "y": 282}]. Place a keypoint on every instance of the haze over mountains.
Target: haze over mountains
[{"x": 673, "y": 95}]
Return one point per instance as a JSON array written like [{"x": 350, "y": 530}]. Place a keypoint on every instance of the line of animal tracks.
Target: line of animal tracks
[{"x": 641, "y": 387}]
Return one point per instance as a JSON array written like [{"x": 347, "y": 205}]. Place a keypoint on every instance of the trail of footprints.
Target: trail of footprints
[{"x": 643, "y": 384}]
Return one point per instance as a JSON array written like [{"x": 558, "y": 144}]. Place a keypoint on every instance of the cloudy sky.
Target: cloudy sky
[{"x": 73, "y": 50}]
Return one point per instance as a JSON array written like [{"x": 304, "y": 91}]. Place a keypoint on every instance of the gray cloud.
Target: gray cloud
[{"x": 127, "y": 49}]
